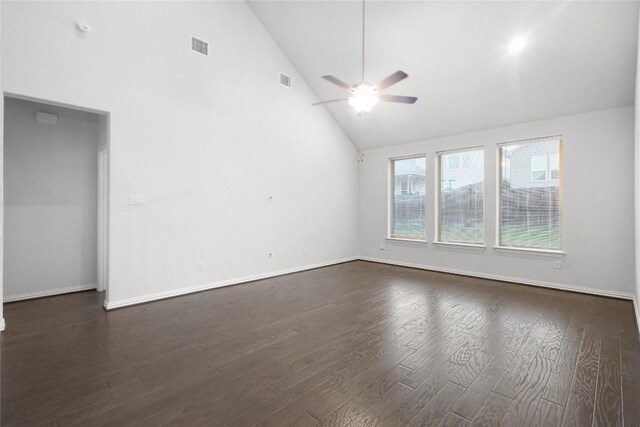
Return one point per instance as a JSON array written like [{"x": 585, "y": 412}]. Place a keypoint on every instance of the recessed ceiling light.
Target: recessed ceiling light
[{"x": 517, "y": 44}]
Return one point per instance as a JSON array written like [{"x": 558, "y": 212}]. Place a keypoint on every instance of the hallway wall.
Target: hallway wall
[{"x": 50, "y": 200}]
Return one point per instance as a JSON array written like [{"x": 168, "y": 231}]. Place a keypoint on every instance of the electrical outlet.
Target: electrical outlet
[
  {"x": 200, "y": 265},
  {"x": 557, "y": 264},
  {"x": 279, "y": 254},
  {"x": 305, "y": 251}
]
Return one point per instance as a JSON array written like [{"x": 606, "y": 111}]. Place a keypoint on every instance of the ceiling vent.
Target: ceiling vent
[
  {"x": 285, "y": 80},
  {"x": 199, "y": 46},
  {"x": 47, "y": 118}
]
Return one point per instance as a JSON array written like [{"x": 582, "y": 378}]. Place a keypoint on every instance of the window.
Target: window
[
  {"x": 530, "y": 194},
  {"x": 543, "y": 166},
  {"x": 408, "y": 197},
  {"x": 461, "y": 198},
  {"x": 466, "y": 160},
  {"x": 539, "y": 168},
  {"x": 453, "y": 161},
  {"x": 404, "y": 187},
  {"x": 554, "y": 166}
]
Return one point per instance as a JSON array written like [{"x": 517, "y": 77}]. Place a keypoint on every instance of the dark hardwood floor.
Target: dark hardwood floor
[{"x": 356, "y": 344}]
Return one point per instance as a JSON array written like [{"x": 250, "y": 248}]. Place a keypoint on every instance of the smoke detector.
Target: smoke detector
[{"x": 83, "y": 27}]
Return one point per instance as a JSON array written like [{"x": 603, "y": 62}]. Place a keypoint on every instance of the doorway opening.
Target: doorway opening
[{"x": 56, "y": 200}]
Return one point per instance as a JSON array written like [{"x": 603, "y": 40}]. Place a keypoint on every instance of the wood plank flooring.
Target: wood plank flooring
[{"x": 357, "y": 344}]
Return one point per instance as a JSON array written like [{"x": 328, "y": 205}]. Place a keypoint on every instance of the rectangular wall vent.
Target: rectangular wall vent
[
  {"x": 199, "y": 46},
  {"x": 285, "y": 80},
  {"x": 48, "y": 118}
]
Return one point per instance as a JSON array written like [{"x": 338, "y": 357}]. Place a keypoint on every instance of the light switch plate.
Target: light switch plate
[{"x": 137, "y": 200}]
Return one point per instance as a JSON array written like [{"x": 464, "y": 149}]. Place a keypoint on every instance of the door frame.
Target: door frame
[
  {"x": 104, "y": 248},
  {"x": 102, "y": 279}
]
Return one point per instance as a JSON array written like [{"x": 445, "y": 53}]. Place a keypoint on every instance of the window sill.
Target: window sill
[
  {"x": 531, "y": 251},
  {"x": 400, "y": 239},
  {"x": 462, "y": 245}
]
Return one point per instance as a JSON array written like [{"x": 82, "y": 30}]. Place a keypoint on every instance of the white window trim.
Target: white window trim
[
  {"x": 462, "y": 245},
  {"x": 438, "y": 192},
  {"x": 406, "y": 239},
  {"x": 390, "y": 192},
  {"x": 532, "y": 251},
  {"x": 548, "y": 138}
]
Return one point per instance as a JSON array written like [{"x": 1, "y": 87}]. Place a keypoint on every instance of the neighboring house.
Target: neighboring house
[
  {"x": 409, "y": 198},
  {"x": 458, "y": 170},
  {"x": 531, "y": 189},
  {"x": 461, "y": 201},
  {"x": 533, "y": 165},
  {"x": 409, "y": 178}
]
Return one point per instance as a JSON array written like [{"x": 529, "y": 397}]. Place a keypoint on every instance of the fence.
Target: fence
[
  {"x": 530, "y": 207},
  {"x": 521, "y": 208},
  {"x": 408, "y": 214},
  {"x": 462, "y": 207}
]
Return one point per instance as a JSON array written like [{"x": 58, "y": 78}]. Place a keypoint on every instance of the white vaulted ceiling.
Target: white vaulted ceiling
[{"x": 580, "y": 56}]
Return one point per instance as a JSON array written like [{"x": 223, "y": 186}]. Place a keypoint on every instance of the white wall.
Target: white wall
[
  {"x": 205, "y": 140},
  {"x": 598, "y": 203},
  {"x": 2, "y": 323},
  {"x": 637, "y": 186},
  {"x": 50, "y": 181}
]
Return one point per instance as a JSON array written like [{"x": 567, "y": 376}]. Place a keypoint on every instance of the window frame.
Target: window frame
[
  {"x": 498, "y": 217},
  {"x": 551, "y": 178},
  {"x": 404, "y": 187},
  {"x": 545, "y": 170},
  {"x": 438, "y": 197},
  {"x": 391, "y": 193}
]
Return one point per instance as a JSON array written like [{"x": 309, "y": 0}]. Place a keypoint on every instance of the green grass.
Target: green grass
[
  {"x": 532, "y": 237},
  {"x": 409, "y": 231},
  {"x": 462, "y": 234}
]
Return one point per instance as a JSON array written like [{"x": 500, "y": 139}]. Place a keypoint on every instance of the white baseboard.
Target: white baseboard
[
  {"x": 551, "y": 285},
  {"x": 207, "y": 286},
  {"x": 636, "y": 308},
  {"x": 47, "y": 293},
  {"x": 110, "y": 305}
]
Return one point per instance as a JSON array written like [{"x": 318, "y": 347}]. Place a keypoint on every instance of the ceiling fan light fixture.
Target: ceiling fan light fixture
[
  {"x": 517, "y": 45},
  {"x": 364, "y": 98}
]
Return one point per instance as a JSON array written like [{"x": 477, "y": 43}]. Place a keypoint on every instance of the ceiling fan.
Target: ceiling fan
[{"x": 364, "y": 96}]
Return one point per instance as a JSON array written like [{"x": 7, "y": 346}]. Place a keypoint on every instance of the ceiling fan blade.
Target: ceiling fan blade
[
  {"x": 338, "y": 82},
  {"x": 391, "y": 80},
  {"x": 398, "y": 98},
  {"x": 330, "y": 100}
]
